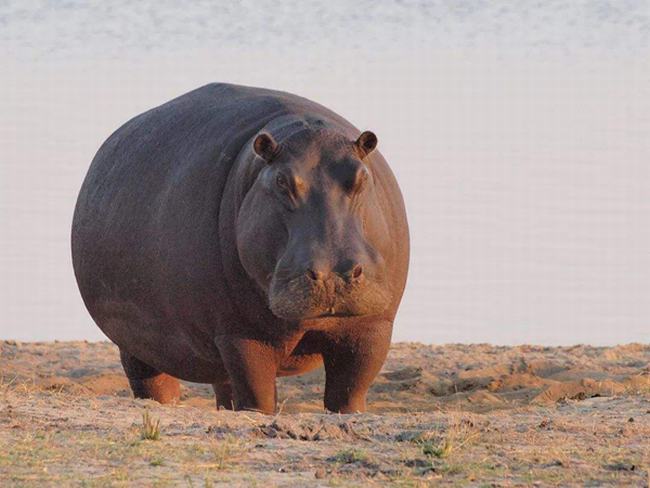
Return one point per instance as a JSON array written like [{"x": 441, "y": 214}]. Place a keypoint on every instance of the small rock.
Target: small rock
[
  {"x": 620, "y": 466},
  {"x": 417, "y": 463},
  {"x": 553, "y": 463},
  {"x": 320, "y": 473}
]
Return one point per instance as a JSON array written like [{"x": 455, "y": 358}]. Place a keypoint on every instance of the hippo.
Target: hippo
[{"x": 234, "y": 235}]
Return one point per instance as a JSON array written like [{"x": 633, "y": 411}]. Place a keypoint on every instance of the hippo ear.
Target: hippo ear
[
  {"x": 366, "y": 143},
  {"x": 265, "y": 146}
]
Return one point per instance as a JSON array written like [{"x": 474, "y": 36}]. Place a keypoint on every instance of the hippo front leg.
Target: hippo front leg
[
  {"x": 352, "y": 358},
  {"x": 251, "y": 365}
]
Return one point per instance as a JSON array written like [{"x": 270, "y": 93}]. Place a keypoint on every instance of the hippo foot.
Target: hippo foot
[
  {"x": 224, "y": 394},
  {"x": 147, "y": 382}
]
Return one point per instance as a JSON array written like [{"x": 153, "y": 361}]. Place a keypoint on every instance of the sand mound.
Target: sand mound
[
  {"x": 416, "y": 377},
  {"x": 61, "y": 384},
  {"x": 586, "y": 388},
  {"x": 107, "y": 384},
  {"x": 325, "y": 428}
]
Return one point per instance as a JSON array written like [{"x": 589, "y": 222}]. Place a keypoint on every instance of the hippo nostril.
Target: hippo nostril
[
  {"x": 315, "y": 275},
  {"x": 350, "y": 271}
]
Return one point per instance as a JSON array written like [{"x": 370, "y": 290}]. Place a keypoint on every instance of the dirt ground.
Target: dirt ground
[{"x": 465, "y": 415}]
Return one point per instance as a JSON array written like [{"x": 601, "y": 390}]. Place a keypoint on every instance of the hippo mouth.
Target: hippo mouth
[{"x": 302, "y": 298}]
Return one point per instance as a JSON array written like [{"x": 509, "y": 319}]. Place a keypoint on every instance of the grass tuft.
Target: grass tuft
[
  {"x": 459, "y": 434},
  {"x": 349, "y": 456},
  {"x": 228, "y": 448},
  {"x": 439, "y": 451},
  {"x": 150, "y": 429}
]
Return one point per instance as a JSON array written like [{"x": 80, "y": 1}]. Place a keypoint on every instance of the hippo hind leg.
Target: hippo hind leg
[
  {"x": 223, "y": 392},
  {"x": 147, "y": 382}
]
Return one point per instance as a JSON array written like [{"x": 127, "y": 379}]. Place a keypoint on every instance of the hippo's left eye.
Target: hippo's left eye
[{"x": 282, "y": 182}]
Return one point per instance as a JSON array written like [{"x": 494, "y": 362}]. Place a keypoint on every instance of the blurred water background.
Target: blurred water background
[{"x": 519, "y": 132}]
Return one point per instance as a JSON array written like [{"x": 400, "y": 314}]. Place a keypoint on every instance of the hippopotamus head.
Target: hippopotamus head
[{"x": 310, "y": 227}]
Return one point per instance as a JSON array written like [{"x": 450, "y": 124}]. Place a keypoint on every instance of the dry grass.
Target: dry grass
[
  {"x": 350, "y": 456},
  {"x": 150, "y": 429},
  {"x": 227, "y": 451},
  {"x": 459, "y": 434}
]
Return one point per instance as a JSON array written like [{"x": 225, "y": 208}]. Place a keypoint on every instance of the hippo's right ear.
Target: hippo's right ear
[
  {"x": 265, "y": 147},
  {"x": 366, "y": 143}
]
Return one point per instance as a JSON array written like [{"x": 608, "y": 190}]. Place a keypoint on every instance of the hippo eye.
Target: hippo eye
[{"x": 282, "y": 182}]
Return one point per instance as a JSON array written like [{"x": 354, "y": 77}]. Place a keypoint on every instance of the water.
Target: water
[{"x": 519, "y": 135}]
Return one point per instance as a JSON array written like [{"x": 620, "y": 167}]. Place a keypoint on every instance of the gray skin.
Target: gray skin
[{"x": 237, "y": 234}]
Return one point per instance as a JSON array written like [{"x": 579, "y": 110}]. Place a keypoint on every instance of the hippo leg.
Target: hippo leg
[
  {"x": 223, "y": 392},
  {"x": 352, "y": 360},
  {"x": 147, "y": 382},
  {"x": 252, "y": 368}
]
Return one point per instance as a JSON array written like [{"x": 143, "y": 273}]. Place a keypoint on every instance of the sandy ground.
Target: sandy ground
[{"x": 475, "y": 415}]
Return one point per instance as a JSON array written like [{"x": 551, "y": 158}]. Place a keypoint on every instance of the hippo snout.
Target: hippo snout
[{"x": 320, "y": 291}]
